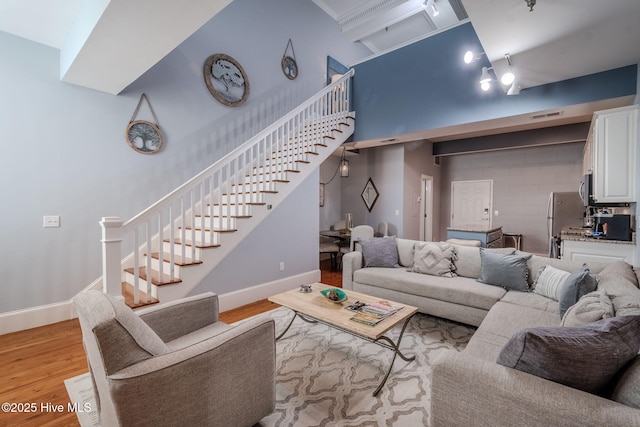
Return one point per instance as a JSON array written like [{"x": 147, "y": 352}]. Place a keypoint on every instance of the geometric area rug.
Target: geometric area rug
[{"x": 326, "y": 377}]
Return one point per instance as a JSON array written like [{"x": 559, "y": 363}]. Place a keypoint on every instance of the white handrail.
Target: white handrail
[{"x": 211, "y": 201}]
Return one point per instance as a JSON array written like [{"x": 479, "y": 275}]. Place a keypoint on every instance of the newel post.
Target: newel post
[{"x": 111, "y": 255}]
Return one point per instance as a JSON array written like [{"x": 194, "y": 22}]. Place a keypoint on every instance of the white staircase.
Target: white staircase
[{"x": 177, "y": 241}]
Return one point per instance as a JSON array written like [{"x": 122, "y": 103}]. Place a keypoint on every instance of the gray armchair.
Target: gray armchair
[{"x": 175, "y": 363}]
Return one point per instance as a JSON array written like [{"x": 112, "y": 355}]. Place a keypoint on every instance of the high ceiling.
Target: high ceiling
[{"x": 558, "y": 40}]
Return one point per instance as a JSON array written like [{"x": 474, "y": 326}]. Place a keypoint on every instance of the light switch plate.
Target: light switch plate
[{"x": 51, "y": 221}]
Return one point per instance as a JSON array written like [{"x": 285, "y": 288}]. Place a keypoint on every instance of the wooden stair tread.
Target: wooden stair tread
[
  {"x": 127, "y": 293},
  {"x": 199, "y": 246},
  {"x": 155, "y": 277},
  {"x": 208, "y": 230},
  {"x": 251, "y": 192},
  {"x": 240, "y": 204},
  {"x": 224, "y": 216},
  {"x": 177, "y": 259}
]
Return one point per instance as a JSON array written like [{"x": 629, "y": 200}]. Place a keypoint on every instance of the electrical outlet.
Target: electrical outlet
[
  {"x": 496, "y": 213},
  {"x": 281, "y": 265},
  {"x": 51, "y": 221}
]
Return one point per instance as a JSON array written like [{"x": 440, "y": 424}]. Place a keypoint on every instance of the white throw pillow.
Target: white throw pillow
[
  {"x": 434, "y": 258},
  {"x": 549, "y": 281}
]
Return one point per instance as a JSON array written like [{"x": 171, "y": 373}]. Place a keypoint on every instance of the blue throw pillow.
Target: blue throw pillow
[
  {"x": 578, "y": 284},
  {"x": 507, "y": 271}
]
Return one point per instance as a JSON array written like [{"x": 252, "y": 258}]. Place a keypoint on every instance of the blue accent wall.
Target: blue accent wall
[{"x": 426, "y": 85}]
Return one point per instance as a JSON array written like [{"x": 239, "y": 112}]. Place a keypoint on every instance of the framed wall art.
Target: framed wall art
[
  {"x": 370, "y": 194},
  {"x": 226, "y": 80},
  {"x": 288, "y": 63},
  {"x": 143, "y": 136}
]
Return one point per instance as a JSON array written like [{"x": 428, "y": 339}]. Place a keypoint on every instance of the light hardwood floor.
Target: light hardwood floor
[{"x": 34, "y": 364}]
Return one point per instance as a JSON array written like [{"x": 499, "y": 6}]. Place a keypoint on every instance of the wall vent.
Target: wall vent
[{"x": 545, "y": 115}]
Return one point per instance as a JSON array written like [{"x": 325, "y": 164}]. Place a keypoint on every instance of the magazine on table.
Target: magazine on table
[{"x": 373, "y": 313}]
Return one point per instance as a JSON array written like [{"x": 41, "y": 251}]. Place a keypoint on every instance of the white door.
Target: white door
[
  {"x": 471, "y": 203},
  {"x": 426, "y": 208}
]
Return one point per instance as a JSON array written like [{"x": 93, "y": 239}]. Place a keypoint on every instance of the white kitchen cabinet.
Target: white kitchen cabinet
[
  {"x": 615, "y": 136},
  {"x": 597, "y": 251}
]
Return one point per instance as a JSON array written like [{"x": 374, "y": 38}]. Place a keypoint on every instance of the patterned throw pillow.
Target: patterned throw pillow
[
  {"x": 434, "y": 258},
  {"x": 549, "y": 281}
]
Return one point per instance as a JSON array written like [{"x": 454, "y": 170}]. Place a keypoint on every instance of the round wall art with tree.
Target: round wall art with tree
[
  {"x": 143, "y": 136},
  {"x": 226, "y": 80}
]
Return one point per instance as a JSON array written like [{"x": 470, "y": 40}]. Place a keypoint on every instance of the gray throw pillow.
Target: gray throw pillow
[
  {"x": 434, "y": 258},
  {"x": 578, "y": 284},
  {"x": 507, "y": 271},
  {"x": 380, "y": 251},
  {"x": 586, "y": 358}
]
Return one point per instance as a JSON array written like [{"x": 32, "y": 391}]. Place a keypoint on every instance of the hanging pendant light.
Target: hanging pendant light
[{"x": 344, "y": 165}]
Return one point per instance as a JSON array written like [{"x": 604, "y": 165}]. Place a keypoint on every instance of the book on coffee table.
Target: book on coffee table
[{"x": 373, "y": 313}]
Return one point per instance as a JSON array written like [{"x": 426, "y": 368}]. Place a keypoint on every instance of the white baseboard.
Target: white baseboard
[
  {"x": 246, "y": 296},
  {"x": 33, "y": 317}
]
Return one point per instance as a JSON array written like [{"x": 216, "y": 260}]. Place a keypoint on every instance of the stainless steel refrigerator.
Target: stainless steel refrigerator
[{"x": 564, "y": 210}]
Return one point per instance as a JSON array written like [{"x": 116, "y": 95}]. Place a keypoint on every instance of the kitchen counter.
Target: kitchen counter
[
  {"x": 475, "y": 228},
  {"x": 575, "y": 245},
  {"x": 578, "y": 235}
]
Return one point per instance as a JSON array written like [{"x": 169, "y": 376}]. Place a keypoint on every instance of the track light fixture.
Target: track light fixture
[
  {"x": 508, "y": 77},
  {"x": 470, "y": 56},
  {"x": 486, "y": 79}
]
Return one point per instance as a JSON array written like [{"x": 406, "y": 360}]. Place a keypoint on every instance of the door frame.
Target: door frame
[{"x": 426, "y": 208}]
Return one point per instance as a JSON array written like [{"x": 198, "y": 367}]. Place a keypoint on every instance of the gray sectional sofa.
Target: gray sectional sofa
[{"x": 501, "y": 378}]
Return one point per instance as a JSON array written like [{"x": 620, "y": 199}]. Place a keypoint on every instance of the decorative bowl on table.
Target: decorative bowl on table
[{"x": 334, "y": 295}]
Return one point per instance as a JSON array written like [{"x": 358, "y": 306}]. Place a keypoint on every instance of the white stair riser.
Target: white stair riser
[
  {"x": 279, "y": 168},
  {"x": 217, "y": 223},
  {"x": 242, "y": 198},
  {"x": 254, "y": 186},
  {"x": 155, "y": 265},
  {"x": 177, "y": 250},
  {"x": 233, "y": 210},
  {"x": 262, "y": 177}
]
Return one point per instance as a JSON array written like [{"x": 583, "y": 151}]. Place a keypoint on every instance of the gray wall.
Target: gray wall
[
  {"x": 419, "y": 161},
  {"x": 396, "y": 172},
  {"x": 385, "y": 166},
  {"x": 522, "y": 180},
  {"x": 332, "y": 209},
  {"x": 64, "y": 151}
]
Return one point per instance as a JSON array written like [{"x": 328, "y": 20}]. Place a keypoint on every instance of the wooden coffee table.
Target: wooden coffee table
[{"x": 313, "y": 307}]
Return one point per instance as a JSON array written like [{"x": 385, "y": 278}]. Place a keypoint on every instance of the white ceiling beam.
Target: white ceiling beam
[
  {"x": 128, "y": 38},
  {"x": 381, "y": 20}
]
